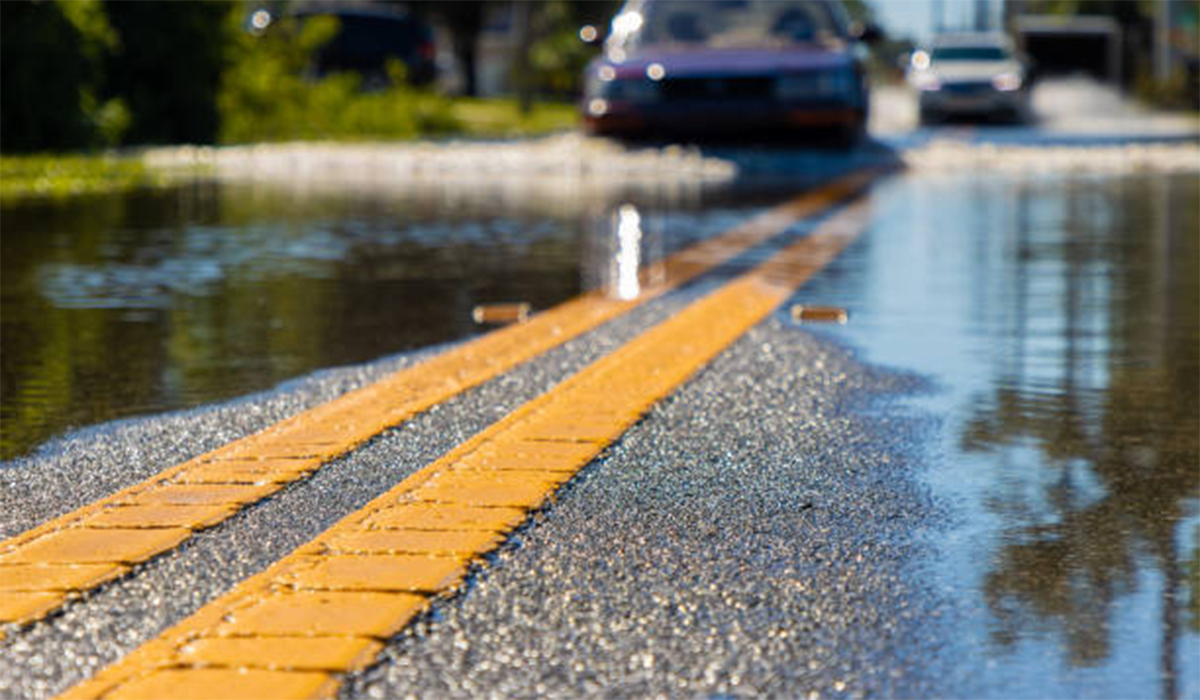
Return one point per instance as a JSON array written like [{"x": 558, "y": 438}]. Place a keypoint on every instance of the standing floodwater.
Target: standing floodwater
[
  {"x": 1055, "y": 315},
  {"x": 1059, "y": 316},
  {"x": 138, "y": 303}
]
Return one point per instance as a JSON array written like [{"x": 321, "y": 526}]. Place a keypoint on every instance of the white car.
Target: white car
[{"x": 972, "y": 75}]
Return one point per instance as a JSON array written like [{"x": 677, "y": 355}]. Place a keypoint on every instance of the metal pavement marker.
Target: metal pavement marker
[
  {"x": 152, "y": 517},
  {"x": 324, "y": 610}
]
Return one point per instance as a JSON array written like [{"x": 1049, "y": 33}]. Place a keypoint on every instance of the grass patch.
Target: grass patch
[
  {"x": 55, "y": 177},
  {"x": 335, "y": 110},
  {"x": 495, "y": 117},
  {"x": 372, "y": 117}
]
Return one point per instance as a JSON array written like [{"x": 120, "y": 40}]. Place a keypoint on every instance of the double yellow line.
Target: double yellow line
[
  {"x": 42, "y": 568},
  {"x": 323, "y": 610}
]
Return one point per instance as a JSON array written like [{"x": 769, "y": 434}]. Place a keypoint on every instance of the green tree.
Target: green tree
[
  {"x": 266, "y": 95},
  {"x": 169, "y": 67},
  {"x": 51, "y": 76},
  {"x": 557, "y": 56}
]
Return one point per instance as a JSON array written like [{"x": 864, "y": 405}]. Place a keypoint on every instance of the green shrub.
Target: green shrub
[
  {"x": 168, "y": 66},
  {"x": 267, "y": 95},
  {"x": 51, "y": 76}
]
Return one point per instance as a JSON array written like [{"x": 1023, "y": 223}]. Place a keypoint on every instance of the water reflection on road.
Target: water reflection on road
[
  {"x": 140, "y": 303},
  {"x": 1061, "y": 318}
]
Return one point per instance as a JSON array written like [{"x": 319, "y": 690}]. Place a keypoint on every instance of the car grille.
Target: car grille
[
  {"x": 718, "y": 88},
  {"x": 968, "y": 87}
]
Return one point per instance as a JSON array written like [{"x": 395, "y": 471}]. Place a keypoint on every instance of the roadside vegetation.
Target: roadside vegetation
[
  {"x": 25, "y": 177},
  {"x": 483, "y": 117},
  {"x": 84, "y": 81},
  {"x": 360, "y": 118},
  {"x": 265, "y": 94},
  {"x": 267, "y": 97}
]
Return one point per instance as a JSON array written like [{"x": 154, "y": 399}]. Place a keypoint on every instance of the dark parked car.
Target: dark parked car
[
  {"x": 367, "y": 39},
  {"x": 736, "y": 66}
]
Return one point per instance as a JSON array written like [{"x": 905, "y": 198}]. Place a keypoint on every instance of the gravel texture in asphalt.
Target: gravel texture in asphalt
[{"x": 754, "y": 535}]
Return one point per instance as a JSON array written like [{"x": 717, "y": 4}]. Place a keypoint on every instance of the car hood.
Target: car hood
[
  {"x": 951, "y": 71},
  {"x": 732, "y": 62}
]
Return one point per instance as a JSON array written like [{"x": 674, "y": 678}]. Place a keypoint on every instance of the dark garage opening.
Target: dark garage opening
[
  {"x": 1069, "y": 54},
  {"x": 1088, "y": 45}
]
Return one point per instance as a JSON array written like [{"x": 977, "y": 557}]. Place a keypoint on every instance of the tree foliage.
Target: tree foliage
[
  {"x": 51, "y": 76},
  {"x": 557, "y": 56},
  {"x": 266, "y": 94},
  {"x": 85, "y": 74},
  {"x": 169, "y": 67}
]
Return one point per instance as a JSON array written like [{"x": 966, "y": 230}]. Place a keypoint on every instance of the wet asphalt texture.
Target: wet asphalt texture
[{"x": 755, "y": 534}]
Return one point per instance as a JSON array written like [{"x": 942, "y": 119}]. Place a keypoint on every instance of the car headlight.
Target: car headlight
[{"x": 1007, "y": 82}]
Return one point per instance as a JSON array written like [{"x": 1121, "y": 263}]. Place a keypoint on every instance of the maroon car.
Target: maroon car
[{"x": 737, "y": 66}]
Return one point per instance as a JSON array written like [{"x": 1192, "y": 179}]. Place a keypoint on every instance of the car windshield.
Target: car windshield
[
  {"x": 734, "y": 23},
  {"x": 970, "y": 53}
]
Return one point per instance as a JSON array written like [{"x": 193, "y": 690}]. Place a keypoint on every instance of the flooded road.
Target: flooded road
[
  {"x": 1058, "y": 319},
  {"x": 1054, "y": 319},
  {"x": 147, "y": 302},
  {"x": 152, "y": 301}
]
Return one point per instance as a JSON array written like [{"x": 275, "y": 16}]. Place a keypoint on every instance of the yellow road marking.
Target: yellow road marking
[
  {"x": 15, "y": 605},
  {"x": 96, "y": 546},
  {"x": 192, "y": 517},
  {"x": 177, "y": 494},
  {"x": 208, "y": 683},
  {"x": 412, "y": 541},
  {"x": 358, "y": 579},
  {"x": 303, "y": 653},
  {"x": 252, "y": 468},
  {"x": 59, "y": 577}
]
